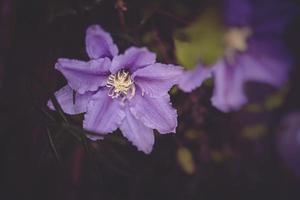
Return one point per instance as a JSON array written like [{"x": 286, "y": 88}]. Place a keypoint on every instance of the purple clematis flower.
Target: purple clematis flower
[
  {"x": 254, "y": 51},
  {"x": 127, "y": 91}
]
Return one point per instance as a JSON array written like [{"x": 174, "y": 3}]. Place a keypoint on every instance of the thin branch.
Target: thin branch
[
  {"x": 121, "y": 8},
  {"x": 52, "y": 145}
]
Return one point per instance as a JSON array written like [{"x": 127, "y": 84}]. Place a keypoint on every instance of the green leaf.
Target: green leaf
[
  {"x": 254, "y": 132},
  {"x": 185, "y": 160},
  {"x": 58, "y": 107},
  {"x": 52, "y": 145},
  {"x": 254, "y": 108},
  {"x": 201, "y": 40}
]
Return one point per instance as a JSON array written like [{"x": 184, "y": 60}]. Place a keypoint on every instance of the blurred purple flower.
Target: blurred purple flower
[
  {"x": 254, "y": 51},
  {"x": 127, "y": 91}
]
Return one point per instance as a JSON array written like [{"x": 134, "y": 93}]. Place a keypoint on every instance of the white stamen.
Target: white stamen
[
  {"x": 120, "y": 84},
  {"x": 235, "y": 39}
]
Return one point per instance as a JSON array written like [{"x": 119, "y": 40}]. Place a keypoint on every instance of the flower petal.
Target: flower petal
[
  {"x": 84, "y": 76},
  {"x": 104, "y": 114},
  {"x": 272, "y": 17},
  {"x": 136, "y": 132},
  {"x": 237, "y": 12},
  {"x": 132, "y": 59},
  {"x": 157, "y": 79},
  {"x": 155, "y": 113},
  {"x": 194, "y": 78},
  {"x": 266, "y": 62},
  {"x": 228, "y": 92},
  {"x": 71, "y": 105},
  {"x": 99, "y": 43}
]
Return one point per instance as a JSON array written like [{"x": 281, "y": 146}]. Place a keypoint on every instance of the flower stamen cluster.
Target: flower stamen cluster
[
  {"x": 236, "y": 40},
  {"x": 120, "y": 84}
]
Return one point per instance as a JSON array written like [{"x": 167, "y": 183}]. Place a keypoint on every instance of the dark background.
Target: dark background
[{"x": 227, "y": 163}]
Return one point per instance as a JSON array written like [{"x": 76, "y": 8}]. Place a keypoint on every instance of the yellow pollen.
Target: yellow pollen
[{"x": 120, "y": 84}]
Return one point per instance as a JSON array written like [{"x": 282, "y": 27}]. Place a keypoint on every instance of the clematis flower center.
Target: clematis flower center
[
  {"x": 120, "y": 85},
  {"x": 235, "y": 40}
]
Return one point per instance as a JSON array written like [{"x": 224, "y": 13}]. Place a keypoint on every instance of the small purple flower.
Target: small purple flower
[
  {"x": 127, "y": 91},
  {"x": 254, "y": 51}
]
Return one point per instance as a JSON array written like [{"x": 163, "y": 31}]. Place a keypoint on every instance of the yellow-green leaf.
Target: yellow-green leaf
[
  {"x": 186, "y": 160},
  {"x": 201, "y": 40},
  {"x": 254, "y": 132}
]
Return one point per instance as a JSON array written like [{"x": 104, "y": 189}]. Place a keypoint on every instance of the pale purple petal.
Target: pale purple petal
[
  {"x": 104, "y": 114},
  {"x": 133, "y": 59},
  {"x": 264, "y": 16},
  {"x": 192, "y": 79},
  {"x": 157, "y": 79},
  {"x": 155, "y": 113},
  {"x": 271, "y": 17},
  {"x": 69, "y": 103},
  {"x": 228, "y": 92},
  {"x": 264, "y": 69},
  {"x": 136, "y": 132},
  {"x": 266, "y": 61},
  {"x": 84, "y": 76},
  {"x": 99, "y": 43}
]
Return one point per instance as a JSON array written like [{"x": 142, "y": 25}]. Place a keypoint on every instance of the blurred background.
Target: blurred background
[{"x": 250, "y": 153}]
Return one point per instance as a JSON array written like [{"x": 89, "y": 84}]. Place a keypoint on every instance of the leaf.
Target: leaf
[
  {"x": 52, "y": 145},
  {"x": 193, "y": 134},
  {"x": 115, "y": 154},
  {"x": 274, "y": 101},
  {"x": 254, "y": 108},
  {"x": 77, "y": 132},
  {"x": 217, "y": 156},
  {"x": 254, "y": 132},
  {"x": 58, "y": 107},
  {"x": 201, "y": 40},
  {"x": 185, "y": 160}
]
